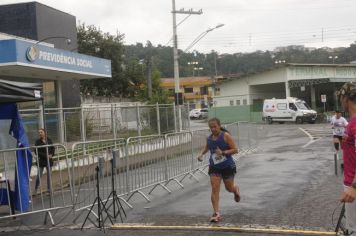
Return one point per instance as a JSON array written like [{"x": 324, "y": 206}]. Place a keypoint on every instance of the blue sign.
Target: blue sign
[{"x": 14, "y": 51}]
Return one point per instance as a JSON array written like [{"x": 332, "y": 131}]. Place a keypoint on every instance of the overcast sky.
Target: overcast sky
[{"x": 250, "y": 25}]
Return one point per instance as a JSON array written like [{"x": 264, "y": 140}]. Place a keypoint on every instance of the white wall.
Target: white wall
[
  {"x": 244, "y": 89},
  {"x": 272, "y": 83},
  {"x": 231, "y": 91},
  {"x": 269, "y": 77}
]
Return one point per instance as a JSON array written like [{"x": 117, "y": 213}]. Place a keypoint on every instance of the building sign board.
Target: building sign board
[
  {"x": 317, "y": 72},
  {"x": 34, "y": 55}
]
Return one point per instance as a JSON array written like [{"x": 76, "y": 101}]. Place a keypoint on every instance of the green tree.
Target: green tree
[{"x": 93, "y": 41}]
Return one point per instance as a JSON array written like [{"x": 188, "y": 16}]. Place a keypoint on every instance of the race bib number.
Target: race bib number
[
  {"x": 339, "y": 131},
  {"x": 218, "y": 159}
]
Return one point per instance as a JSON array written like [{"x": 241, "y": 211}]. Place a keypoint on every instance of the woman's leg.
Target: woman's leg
[
  {"x": 215, "y": 191},
  {"x": 336, "y": 144},
  {"x": 232, "y": 188}
]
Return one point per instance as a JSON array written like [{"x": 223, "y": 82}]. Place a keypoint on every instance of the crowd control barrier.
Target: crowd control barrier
[{"x": 30, "y": 184}]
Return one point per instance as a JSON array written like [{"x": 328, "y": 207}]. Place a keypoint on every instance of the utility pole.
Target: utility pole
[
  {"x": 178, "y": 95},
  {"x": 216, "y": 69},
  {"x": 149, "y": 77}
]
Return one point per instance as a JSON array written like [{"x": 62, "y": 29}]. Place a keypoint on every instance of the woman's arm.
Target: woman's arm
[
  {"x": 202, "y": 152},
  {"x": 230, "y": 141}
]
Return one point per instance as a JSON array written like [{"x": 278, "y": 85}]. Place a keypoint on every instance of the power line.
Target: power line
[
  {"x": 278, "y": 34},
  {"x": 294, "y": 8}
]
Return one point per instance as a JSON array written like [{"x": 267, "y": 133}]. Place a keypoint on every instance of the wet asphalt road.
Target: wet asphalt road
[{"x": 284, "y": 184}]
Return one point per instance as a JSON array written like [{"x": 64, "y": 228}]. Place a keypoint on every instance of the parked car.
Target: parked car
[{"x": 199, "y": 113}]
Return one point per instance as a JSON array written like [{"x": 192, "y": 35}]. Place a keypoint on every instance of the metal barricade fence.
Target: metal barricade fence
[
  {"x": 31, "y": 119},
  {"x": 127, "y": 123},
  {"x": 180, "y": 159},
  {"x": 142, "y": 162},
  {"x": 145, "y": 164},
  {"x": 103, "y": 121},
  {"x": 148, "y": 120},
  {"x": 233, "y": 130},
  {"x": 97, "y": 122},
  {"x": 33, "y": 185},
  {"x": 85, "y": 157},
  {"x": 199, "y": 139},
  {"x": 253, "y": 135},
  {"x": 243, "y": 141},
  {"x": 54, "y": 122},
  {"x": 73, "y": 130},
  {"x": 166, "y": 117}
]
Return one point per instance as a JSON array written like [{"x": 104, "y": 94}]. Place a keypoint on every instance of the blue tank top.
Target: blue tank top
[{"x": 228, "y": 161}]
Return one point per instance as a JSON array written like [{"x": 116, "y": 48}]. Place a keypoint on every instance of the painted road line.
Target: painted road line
[
  {"x": 221, "y": 228},
  {"x": 312, "y": 139}
]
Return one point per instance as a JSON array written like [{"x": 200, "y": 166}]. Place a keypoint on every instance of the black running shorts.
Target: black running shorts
[{"x": 225, "y": 173}]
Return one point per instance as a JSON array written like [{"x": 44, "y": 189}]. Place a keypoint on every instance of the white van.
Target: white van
[{"x": 289, "y": 109}]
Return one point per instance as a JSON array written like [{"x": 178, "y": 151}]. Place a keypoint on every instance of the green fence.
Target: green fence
[{"x": 236, "y": 113}]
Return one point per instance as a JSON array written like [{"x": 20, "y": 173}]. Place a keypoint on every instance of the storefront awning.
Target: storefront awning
[
  {"x": 24, "y": 59},
  {"x": 11, "y": 91}
]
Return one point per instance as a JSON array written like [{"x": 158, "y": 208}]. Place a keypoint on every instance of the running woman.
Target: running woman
[
  {"x": 222, "y": 166},
  {"x": 348, "y": 100},
  {"x": 338, "y": 124}
]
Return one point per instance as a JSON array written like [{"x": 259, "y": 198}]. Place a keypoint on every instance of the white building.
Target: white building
[{"x": 305, "y": 81}]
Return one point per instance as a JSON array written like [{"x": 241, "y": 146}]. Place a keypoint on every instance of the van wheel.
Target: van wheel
[
  {"x": 269, "y": 120},
  {"x": 299, "y": 120}
]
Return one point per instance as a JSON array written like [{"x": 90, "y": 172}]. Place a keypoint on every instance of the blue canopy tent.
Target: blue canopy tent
[{"x": 11, "y": 93}]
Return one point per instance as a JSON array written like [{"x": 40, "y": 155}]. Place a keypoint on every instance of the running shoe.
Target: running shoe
[{"x": 215, "y": 217}]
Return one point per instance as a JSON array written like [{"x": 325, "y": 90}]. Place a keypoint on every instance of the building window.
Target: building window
[
  {"x": 238, "y": 103},
  {"x": 204, "y": 90},
  {"x": 217, "y": 91},
  {"x": 244, "y": 102},
  {"x": 188, "y": 90},
  {"x": 231, "y": 102}
]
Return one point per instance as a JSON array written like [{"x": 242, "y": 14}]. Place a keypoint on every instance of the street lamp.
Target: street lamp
[
  {"x": 67, "y": 40},
  {"x": 279, "y": 61},
  {"x": 193, "y": 63},
  {"x": 198, "y": 69},
  {"x": 32, "y": 52},
  {"x": 202, "y": 35},
  {"x": 333, "y": 58}
]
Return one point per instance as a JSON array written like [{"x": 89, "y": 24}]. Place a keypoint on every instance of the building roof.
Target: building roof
[
  {"x": 187, "y": 81},
  {"x": 279, "y": 66},
  {"x": 314, "y": 64}
]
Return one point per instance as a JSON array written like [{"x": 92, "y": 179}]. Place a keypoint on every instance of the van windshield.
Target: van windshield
[{"x": 302, "y": 106}]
